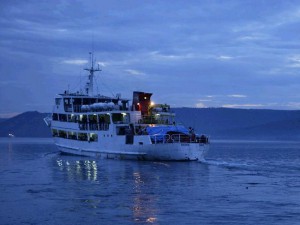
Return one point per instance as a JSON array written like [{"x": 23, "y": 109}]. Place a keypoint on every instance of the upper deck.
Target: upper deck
[
  {"x": 141, "y": 112},
  {"x": 76, "y": 103}
]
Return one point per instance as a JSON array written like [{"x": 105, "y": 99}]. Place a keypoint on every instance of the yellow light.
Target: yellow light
[{"x": 152, "y": 103}]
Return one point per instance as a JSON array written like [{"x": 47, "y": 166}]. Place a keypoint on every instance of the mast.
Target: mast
[{"x": 89, "y": 87}]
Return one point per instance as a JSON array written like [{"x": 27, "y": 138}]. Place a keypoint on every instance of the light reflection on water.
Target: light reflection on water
[
  {"x": 84, "y": 170},
  {"x": 130, "y": 180}
]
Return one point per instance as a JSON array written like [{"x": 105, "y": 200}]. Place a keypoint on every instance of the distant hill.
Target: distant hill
[
  {"x": 28, "y": 124},
  {"x": 228, "y": 123},
  {"x": 2, "y": 119},
  {"x": 279, "y": 130},
  {"x": 218, "y": 123}
]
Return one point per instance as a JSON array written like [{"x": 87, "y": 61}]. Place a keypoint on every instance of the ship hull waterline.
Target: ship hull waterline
[{"x": 153, "y": 152}]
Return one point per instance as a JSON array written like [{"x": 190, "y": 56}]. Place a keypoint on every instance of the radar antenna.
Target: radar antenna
[{"x": 89, "y": 87}]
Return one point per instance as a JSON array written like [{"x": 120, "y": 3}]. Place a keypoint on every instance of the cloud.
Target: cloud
[
  {"x": 293, "y": 105},
  {"x": 294, "y": 61},
  {"x": 135, "y": 72},
  {"x": 253, "y": 37},
  {"x": 102, "y": 64},
  {"x": 76, "y": 61},
  {"x": 243, "y": 105},
  {"x": 156, "y": 55},
  {"x": 186, "y": 48},
  {"x": 224, "y": 57},
  {"x": 200, "y": 105},
  {"x": 204, "y": 100},
  {"x": 237, "y": 96}
]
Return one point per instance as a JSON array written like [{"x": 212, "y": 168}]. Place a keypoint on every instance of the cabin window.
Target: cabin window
[
  {"x": 54, "y": 133},
  {"x": 83, "y": 118},
  {"x": 62, "y": 134},
  {"x": 120, "y": 117},
  {"x": 104, "y": 121},
  {"x": 55, "y": 116},
  {"x": 93, "y": 122},
  {"x": 93, "y": 118},
  {"x": 63, "y": 117},
  {"x": 72, "y": 135},
  {"x": 88, "y": 101},
  {"x": 83, "y": 125},
  {"x": 82, "y": 136},
  {"x": 77, "y": 102},
  {"x": 93, "y": 137},
  {"x": 72, "y": 118}
]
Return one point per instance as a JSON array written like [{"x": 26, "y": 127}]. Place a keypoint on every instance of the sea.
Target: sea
[{"x": 241, "y": 182}]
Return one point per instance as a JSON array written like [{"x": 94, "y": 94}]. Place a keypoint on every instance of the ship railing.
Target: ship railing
[
  {"x": 181, "y": 138},
  {"x": 160, "y": 138},
  {"x": 191, "y": 138},
  {"x": 178, "y": 138}
]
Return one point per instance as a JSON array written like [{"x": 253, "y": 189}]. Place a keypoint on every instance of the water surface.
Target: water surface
[{"x": 240, "y": 183}]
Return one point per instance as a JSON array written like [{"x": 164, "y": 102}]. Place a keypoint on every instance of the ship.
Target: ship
[{"x": 87, "y": 124}]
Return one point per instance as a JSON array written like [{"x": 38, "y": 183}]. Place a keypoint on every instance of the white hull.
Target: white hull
[{"x": 153, "y": 152}]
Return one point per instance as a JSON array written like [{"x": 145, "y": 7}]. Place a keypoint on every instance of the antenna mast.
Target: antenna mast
[{"x": 89, "y": 87}]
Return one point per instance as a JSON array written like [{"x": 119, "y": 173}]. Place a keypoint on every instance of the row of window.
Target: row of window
[
  {"x": 91, "y": 137},
  {"x": 93, "y": 118}
]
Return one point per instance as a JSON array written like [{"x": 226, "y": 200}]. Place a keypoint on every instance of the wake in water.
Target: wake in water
[
  {"x": 237, "y": 165},
  {"x": 267, "y": 168},
  {"x": 52, "y": 153}
]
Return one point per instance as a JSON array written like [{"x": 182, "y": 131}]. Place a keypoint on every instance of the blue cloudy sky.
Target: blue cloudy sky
[{"x": 233, "y": 53}]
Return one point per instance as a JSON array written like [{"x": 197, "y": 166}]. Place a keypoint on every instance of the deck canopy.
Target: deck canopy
[{"x": 163, "y": 130}]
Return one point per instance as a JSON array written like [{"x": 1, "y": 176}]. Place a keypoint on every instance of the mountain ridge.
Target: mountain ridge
[{"x": 218, "y": 123}]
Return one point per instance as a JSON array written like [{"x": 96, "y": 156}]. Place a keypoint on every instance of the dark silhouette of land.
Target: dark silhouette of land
[
  {"x": 28, "y": 124},
  {"x": 224, "y": 123},
  {"x": 218, "y": 123}
]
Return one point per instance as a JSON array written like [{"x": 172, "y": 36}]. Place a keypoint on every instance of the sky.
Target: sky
[{"x": 208, "y": 53}]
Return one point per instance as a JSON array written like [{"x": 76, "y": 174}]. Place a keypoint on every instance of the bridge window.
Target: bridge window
[{"x": 68, "y": 105}]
